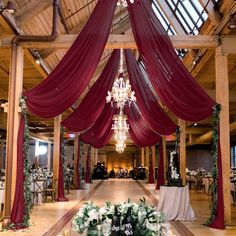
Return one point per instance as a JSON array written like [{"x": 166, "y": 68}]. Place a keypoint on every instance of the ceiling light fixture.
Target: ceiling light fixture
[
  {"x": 124, "y": 2},
  {"x": 232, "y": 23},
  {"x": 10, "y": 7},
  {"x": 121, "y": 93}
]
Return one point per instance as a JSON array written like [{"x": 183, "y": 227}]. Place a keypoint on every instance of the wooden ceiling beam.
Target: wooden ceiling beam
[
  {"x": 212, "y": 13},
  {"x": 118, "y": 41},
  {"x": 31, "y": 10}
]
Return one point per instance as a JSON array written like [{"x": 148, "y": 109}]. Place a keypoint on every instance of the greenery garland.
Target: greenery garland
[
  {"x": 63, "y": 156},
  {"x": 80, "y": 169},
  {"x": 214, "y": 152},
  {"x": 27, "y": 167}
]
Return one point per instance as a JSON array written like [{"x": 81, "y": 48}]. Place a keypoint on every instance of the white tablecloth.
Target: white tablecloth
[{"x": 174, "y": 203}]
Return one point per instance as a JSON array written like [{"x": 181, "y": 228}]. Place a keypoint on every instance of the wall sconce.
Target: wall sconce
[
  {"x": 10, "y": 7},
  {"x": 232, "y": 23}
]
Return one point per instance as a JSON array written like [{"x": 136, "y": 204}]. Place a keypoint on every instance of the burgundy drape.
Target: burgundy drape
[
  {"x": 218, "y": 222},
  {"x": 169, "y": 77},
  {"x": 151, "y": 174},
  {"x": 140, "y": 132},
  {"x": 66, "y": 83},
  {"x": 17, "y": 213},
  {"x": 100, "y": 133},
  {"x": 61, "y": 191},
  {"x": 160, "y": 172},
  {"x": 93, "y": 103},
  {"x": 147, "y": 103}
]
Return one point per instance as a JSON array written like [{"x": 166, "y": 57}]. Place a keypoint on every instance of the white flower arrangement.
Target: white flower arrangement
[
  {"x": 87, "y": 217},
  {"x": 147, "y": 220}
]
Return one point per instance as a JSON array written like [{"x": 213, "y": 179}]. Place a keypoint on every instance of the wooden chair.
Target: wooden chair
[
  {"x": 38, "y": 190},
  {"x": 50, "y": 191}
]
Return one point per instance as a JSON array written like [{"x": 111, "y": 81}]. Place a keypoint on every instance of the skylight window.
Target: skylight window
[{"x": 190, "y": 14}]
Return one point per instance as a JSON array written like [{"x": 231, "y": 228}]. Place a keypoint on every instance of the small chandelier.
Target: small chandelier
[
  {"x": 120, "y": 147},
  {"x": 120, "y": 123},
  {"x": 121, "y": 93},
  {"x": 124, "y": 2}
]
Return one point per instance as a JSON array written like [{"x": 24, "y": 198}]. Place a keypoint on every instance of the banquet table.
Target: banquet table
[
  {"x": 2, "y": 193},
  {"x": 174, "y": 203}
]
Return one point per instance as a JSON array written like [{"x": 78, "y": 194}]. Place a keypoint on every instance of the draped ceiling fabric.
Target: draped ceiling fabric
[
  {"x": 94, "y": 102},
  {"x": 169, "y": 77},
  {"x": 147, "y": 103},
  {"x": 100, "y": 133},
  {"x": 171, "y": 80},
  {"x": 140, "y": 131},
  {"x": 71, "y": 76}
]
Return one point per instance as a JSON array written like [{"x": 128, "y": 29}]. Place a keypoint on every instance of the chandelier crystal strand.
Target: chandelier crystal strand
[{"x": 124, "y": 2}]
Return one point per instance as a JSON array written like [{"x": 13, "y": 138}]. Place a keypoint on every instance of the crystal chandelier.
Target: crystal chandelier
[
  {"x": 120, "y": 123},
  {"x": 124, "y": 2},
  {"x": 121, "y": 93},
  {"x": 120, "y": 147},
  {"x": 120, "y": 127}
]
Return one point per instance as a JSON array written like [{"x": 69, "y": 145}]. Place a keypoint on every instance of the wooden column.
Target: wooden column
[
  {"x": 164, "y": 156},
  {"x": 142, "y": 157},
  {"x": 182, "y": 150},
  {"x": 222, "y": 97},
  {"x": 56, "y": 149},
  {"x": 95, "y": 156},
  {"x": 153, "y": 159},
  {"x": 147, "y": 160},
  {"x": 49, "y": 157},
  {"x": 92, "y": 159},
  {"x": 75, "y": 162},
  {"x": 36, "y": 154},
  {"x": 1, "y": 154},
  {"x": 14, "y": 93}
]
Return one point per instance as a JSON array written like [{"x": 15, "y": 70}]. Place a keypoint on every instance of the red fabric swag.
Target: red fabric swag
[
  {"x": 147, "y": 103},
  {"x": 169, "y": 77},
  {"x": 140, "y": 132},
  {"x": 93, "y": 103},
  {"x": 65, "y": 84},
  {"x": 100, "y": 133}
]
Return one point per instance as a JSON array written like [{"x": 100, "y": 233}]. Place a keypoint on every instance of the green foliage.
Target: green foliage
[
  {"x": 215, "y": 137},
  {"x": 63, "y": 156}
]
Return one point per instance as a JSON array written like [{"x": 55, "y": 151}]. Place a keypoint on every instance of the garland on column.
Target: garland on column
[
  {"x": 80, "y": 169},
  {"x": 63, "y": 156},
  {"x": 27, "y": 166},
  {"x": 214, "y": 187},
  {"x": 88, "y": 166}
]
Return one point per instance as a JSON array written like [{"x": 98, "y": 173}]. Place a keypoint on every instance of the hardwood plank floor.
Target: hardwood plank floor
[{"x": 55, "y": 218}]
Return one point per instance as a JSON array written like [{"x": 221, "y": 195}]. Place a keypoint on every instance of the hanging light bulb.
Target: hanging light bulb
[{"x": 124, "y": 2}]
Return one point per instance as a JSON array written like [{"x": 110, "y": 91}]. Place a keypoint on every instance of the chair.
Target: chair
[
  {"x": 37, "y": 191},
  {"x": 50, "y": 191}
]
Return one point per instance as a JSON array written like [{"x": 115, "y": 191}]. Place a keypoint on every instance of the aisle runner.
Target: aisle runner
[
  {"x": 56, "y": 228},
  {"x": 181, "y": 228}
]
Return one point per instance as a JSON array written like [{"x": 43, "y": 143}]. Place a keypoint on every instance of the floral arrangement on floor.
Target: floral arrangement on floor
[{"x": 147, "y": 221}]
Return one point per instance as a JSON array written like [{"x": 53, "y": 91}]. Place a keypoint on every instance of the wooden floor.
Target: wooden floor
[{"x": 55, "y": 218}]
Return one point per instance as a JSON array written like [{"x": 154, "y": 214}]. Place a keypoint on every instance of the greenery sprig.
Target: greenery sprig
[
  {"x": 214, "y": 187},
  {"x": 63, "y": 156}
]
